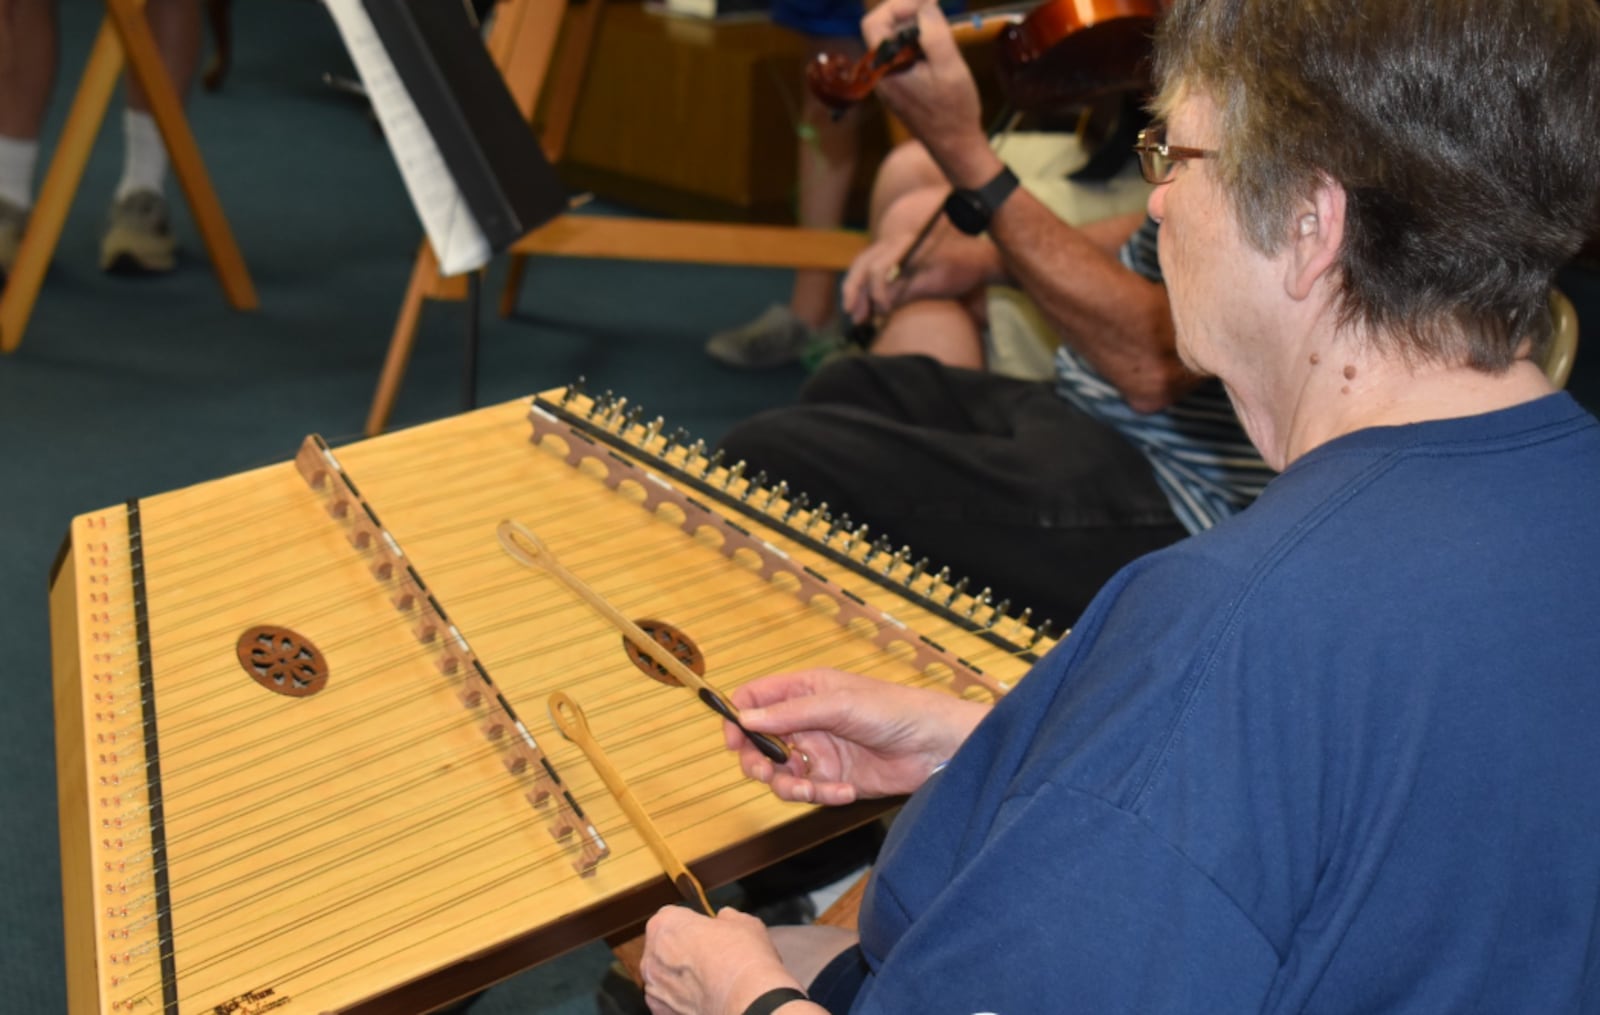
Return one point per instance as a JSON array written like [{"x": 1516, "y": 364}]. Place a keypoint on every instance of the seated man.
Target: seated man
[
  {"x": 904, "y": 287},
  {"x": 138, "y": 235},
  {"x": 1125, "y": 453},
  {"x": 1337, "y": 753},
  {"x": 830, "y": 145}
]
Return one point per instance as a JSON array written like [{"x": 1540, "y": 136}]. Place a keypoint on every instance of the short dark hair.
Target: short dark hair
[{"x": 1465, "y": 133}]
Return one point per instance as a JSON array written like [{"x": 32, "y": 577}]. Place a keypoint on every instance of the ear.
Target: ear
[{"x": 1316, "y": 234}]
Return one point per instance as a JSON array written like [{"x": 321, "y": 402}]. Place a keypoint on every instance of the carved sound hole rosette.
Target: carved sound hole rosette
[
  {"x": 282, "y": 660},
  {"x": 675, "y": 642}
]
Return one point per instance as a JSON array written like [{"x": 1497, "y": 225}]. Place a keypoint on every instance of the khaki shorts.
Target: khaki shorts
[{"x": 1019, "y": 341}]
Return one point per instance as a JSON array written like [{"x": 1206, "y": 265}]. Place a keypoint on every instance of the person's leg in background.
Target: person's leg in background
[
  {"x": 29, "y": 51},
  {"x": 139, "y": 235},
  {"x": 830, "y": 146}
]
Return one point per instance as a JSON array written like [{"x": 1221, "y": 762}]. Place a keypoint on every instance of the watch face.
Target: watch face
[{"x": 966, "y": 212}]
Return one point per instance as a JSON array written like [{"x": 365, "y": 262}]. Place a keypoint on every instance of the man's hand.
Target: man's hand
[
  {"x": 862, "y": 738},
  {"x": 936, "y": 97},
  {"x": 947, "y": 265},
  {"x": 701, "y": 964}
]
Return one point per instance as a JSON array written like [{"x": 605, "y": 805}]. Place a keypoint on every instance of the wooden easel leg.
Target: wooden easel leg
[
  {"x": 566, "y": 79},
  {"x": 426, "y": 283},
  {"x": 513, "y": 283},
  {"x": 144, "y": 62},
  {"x": 524, "y": 60},
  {"x": 59, "y": 185}
]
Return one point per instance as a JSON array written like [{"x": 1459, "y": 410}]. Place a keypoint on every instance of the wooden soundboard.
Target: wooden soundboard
[{"x": 304, "y": 753}]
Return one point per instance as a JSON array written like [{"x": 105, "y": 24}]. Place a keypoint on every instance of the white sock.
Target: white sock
[
  {"x": 18, "y": 158},
  {"x": 144, "y": 157}
]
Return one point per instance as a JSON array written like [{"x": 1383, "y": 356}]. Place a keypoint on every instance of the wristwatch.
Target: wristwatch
[{"x": 971, "y": 210}]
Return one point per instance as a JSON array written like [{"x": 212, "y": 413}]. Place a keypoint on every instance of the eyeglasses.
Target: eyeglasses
[{"x": 1157, "y": 159}]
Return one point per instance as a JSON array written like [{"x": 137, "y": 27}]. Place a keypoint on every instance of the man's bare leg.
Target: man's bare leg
[
  {"x": 29, "y": 45},
  {"x": 829, "y": 149},
  {"x": 947, "y": 330},
  {"x": 176, "y": 26},
  {"x": 139, "y": 237},
  {"x": 951, "y": 331},
  {"x": 906, "y": 168}
]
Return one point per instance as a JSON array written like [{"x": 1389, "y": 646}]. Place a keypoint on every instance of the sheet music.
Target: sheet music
[{"x": 458, "y": 243}]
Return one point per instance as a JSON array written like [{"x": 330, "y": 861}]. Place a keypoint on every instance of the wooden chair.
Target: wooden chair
[
  {"x": 522, "y": 43},
  {"x": 124, "y": 35}
]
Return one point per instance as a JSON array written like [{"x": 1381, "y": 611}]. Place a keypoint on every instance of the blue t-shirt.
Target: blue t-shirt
[
  {"x": 833, "y": 18},
  {"x": 1340, "y": 753},
  {"x": 827, "y": 18}
]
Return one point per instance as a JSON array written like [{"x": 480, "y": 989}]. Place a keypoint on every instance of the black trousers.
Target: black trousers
[{"x": 998, "y": 479}]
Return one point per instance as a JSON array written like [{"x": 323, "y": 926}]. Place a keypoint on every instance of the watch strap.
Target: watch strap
[
  {"x": 774, "y": 999},
  {"x": 994, "y": 193},
  {"x": 971, "y": 210}
]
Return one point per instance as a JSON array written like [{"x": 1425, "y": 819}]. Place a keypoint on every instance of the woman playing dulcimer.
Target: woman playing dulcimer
[{"x": 1335, "y": 754}]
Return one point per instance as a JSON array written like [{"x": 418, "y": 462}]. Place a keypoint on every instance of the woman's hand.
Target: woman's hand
[
  {"x": 705, "y": 965},
  {"x": 862, "y": 738}
]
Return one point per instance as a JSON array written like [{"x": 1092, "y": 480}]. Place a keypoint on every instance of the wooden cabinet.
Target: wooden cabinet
[{"x": 696, "y": 119}]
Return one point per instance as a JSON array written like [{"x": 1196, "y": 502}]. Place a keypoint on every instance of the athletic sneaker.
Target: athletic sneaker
[
  {"x": 771, "y": 340},
  {"x": 139, "y": 236},
  {"x": 13, "y": 221}
]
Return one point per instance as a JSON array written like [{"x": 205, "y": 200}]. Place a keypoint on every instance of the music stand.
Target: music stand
[{"x": 475, "y": 173}]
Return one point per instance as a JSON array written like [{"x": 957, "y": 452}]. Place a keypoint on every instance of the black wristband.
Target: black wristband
[
  {"x": 774, "y": 999},
  {"x": 970, "y": 210}
]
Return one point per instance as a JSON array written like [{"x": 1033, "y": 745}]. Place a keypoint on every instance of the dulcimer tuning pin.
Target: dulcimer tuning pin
[
  {"x": 955, "y": 593},
  {"x": 856, "y": 537},
  {"x": 981, "y": 599},
  {"x": 842, "y": 524},
  {"x": 797, "y": 504},
  {"x": 916, "y": 571},
  {"x": 753, "y": 485},
  {"x": 872, "y": 550},
  {"x": 881, "y": 547},
  {"x": 998, "y": 612},
  {"x": 821, "y": 514}
]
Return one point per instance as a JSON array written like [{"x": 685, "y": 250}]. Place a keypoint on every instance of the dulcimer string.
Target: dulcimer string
[
  {"x": 690, "y": 577},
  {"x": 196, "y": 668}
]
